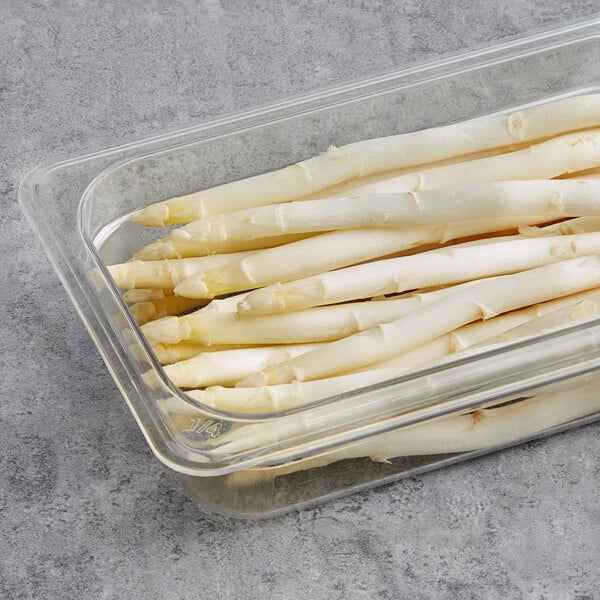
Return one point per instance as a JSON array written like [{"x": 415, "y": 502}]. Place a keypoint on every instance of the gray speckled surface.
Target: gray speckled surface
[{"x": 85, "y": 510}]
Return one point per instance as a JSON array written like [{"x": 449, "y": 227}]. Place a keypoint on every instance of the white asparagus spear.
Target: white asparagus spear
[
  {"x": 436, "y": 267},
  {"x": 480, "y": 300},
  {"x": 311, "y": 325},
  {"x": 290, "y": 395},
  {"x": 587, "y": 305},
  {"x": 346, "y": 248},
  {"x": 545, "y": 160},
  {"x": 329, "y": 251},
  {"x": 144, "y": 312},
  {"x": 172, "y": 353},
  {"x": 505, "y": 327},
  {"x": 166, "y": 273},
  {"x": 325, "y": 416},
  {"x": 227, "y": 367},
  {"x": 554, "y": 198},
  {"x": 376, "y": 180},
  {"x": 569, "y": 227},
  {"x": 378, "y": 155},
  {"x": 178, "y": 246},
  {"x": 453, "y": 342},
  {"x": 146, "y": 294},
  {"x": 485, "y": 428},
  {"x": 172, "y": 248}
]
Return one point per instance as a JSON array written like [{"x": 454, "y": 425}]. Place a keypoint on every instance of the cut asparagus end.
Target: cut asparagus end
[{"x": 163, "y": 249}]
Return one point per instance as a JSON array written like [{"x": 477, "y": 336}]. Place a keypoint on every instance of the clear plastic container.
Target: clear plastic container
[{"x": 262, "y": 465}]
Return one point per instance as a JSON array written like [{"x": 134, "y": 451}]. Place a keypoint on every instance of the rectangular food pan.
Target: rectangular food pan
[{"x": 260, "y": 465}]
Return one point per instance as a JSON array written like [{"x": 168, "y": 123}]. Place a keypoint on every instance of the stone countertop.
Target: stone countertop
[{"x": 86, "y": 511}]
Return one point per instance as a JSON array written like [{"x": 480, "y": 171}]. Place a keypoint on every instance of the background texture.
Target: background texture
[{"x": 85, "y": 510}]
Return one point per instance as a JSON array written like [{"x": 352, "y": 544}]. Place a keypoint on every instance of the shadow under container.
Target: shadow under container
[{"x": 263, "y": 465}]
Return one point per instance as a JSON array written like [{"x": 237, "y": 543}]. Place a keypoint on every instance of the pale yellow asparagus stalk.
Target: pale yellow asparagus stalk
[
  {"x": 172, "y": 248},
  {"x": 505, "y": 327},
  {"x": 377, "y": 155},
  {"x": 172, "y": 353},
  {"x": 291, "y": 395},
  {"x": 587, "y": 305},
  {"x": 312, "y": 325},
  {"x": 481, "y": 300},
  {"x": 165, "y": 273},
  {"x": 569, "y": 227},
  {"x": 227, "y": 367},
  {"x": 329, "y": 251},
  {"x": 144, "y": 312},
  {"x": 436, "y": 267},
  {"x": 197, "y": 373},
  {"x": 177, "y": 246},
  {"x": 146, "y": 294},
  {"x": 484, "y": 428},
  {"x": 490, "y": 200},
  {"x": 377, "y": 181},
  {"x": 552, "y": 158},
  {"x": 545, "y": 160},
  {"x": 327, "y": 415}
]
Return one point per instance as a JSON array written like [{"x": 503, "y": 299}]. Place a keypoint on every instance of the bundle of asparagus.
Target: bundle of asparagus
[{"x": 354, "y": 266}]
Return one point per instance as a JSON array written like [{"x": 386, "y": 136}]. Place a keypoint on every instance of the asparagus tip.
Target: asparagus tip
[
  {"x": 143, "y": 312},
  {"x": 155, "y": 215},
  {"x": 163, "y": 353},
  {"x": 261, "y": 302},
  {"x": 169, "y": 330},
  {"x": 157, "y": 251},
  {"x": 200, "y": 233},
  {"x": 123, "y": 275},
  {"x": 193, "y": 287}
]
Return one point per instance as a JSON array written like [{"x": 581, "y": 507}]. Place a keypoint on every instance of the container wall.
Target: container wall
[
  {"x": 268, "y": 491},
  {"x": 80, "y": 209}
]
